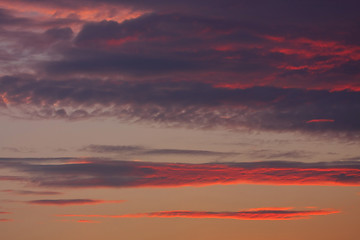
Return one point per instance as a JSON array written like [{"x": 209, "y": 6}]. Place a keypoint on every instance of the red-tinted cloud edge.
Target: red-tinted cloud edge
[
  {"x": 320, "y": 120},
  {"x": 112, "y": 173}
]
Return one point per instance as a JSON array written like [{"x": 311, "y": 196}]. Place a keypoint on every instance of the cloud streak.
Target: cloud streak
[
  {"x": 68, "y": 202},
  {"x": 28, "y": 192},
  {"x": 150, "y": 151},
  {"x": 5, "y": 212},
  {"x": 112, "y": 173},
  {"x": 6, "y": 220},
  {"x": 256, "y": 214}
]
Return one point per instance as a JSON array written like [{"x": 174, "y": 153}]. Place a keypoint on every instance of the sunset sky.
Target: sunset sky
[{"x": 163, "y": 119}]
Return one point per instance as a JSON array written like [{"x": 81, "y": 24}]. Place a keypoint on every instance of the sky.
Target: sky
[{"x": 175, "y": 120}]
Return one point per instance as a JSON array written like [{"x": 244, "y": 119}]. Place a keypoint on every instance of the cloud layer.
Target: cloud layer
[
  {"x": 200, "y": 63},
  {"x": 185, "y": 104}
]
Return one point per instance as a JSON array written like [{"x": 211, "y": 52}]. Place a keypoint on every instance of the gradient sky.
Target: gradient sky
[{"x": 178, "y": 120}]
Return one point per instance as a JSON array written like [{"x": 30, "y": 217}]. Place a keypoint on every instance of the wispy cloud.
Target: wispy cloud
[
  {"x": 67, "y": 202},
  {"x": 320, "y": 120},
  {"x": 87, "y": 221},
  {"x": 251, "y": 214},
  {"x": 6, "y": 220},
  {"x": 28, "y": 192},
  {"x": 12, "y": 178},
  {"x": 5, "y": 212},
  {"x": 139, "y": 150},
  {"x": 271, "y": 154}
]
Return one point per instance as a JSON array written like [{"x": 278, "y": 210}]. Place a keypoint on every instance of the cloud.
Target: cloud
[
  {"x": 320, "y": 120},
  {"x": 138, "y": 150},
  {"x": 67, "y": 202},
  {"x": 28, "y": 192},
  {"x": 112, "y": 149},
  {"x": 112, "y": 173},
  {"x": 190, "y": 63},
  {"x": 270, "y": 154},
  {"x": 167, "y": 45},
  {"x": 12, "y": 178},
  {"x": 87, "y": 221},
  {"x": 221, "y": 42},
  {"x": 185, "y": 104},
  {"x": 5, "y": 212},
  {"x": 6, "y": 220},
  {"x": 251, "y": 214}
]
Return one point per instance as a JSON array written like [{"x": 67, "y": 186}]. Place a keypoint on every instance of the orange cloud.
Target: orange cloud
[
  {"x": 87, "y": 221},
  {"x": 251, "y": 214}
]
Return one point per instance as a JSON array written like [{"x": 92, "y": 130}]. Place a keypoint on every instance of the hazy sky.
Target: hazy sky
[{"x": 162, "y": 119}]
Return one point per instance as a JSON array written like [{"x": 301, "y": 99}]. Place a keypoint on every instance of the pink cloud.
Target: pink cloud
[{"x": 320, "y": 120}]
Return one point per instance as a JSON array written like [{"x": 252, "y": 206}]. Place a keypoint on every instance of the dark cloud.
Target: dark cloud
[
  {"x": 251, "y": 214},
  {"x": 138, "y": 150},
  {"x": 238, "y": 65},
  {"x": 60, "y": 33},
  {"x": 112, "y": 149},
  {"x": 186, "y": 152},
  {"x": 8, "y": 19},
  {"x": 187, "y": 104},
  {"x": 269, "y": 154},
  {"x": 28, "y": 192},
  {"x": 304, "y": 12},
  {"x": 218, "y": 45},
  {"x": 111, "y": 173},
  {"x": 67, "y": 202},
  {"x": 237, "y": 52}
]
